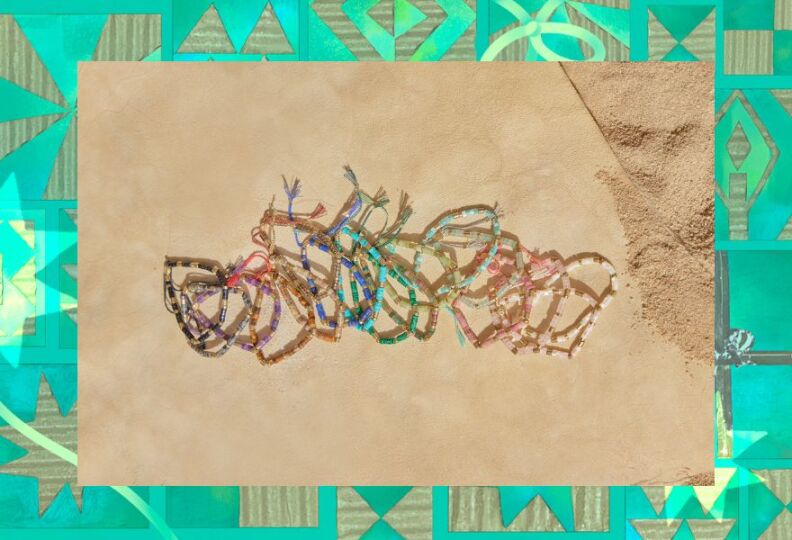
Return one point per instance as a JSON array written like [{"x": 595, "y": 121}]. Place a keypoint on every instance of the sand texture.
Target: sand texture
[
  {"x": 181, "y": 159},
  {"x": 663, "y": 140}
]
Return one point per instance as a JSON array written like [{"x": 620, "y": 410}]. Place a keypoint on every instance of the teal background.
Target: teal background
[{"x": 750, "y": 43}]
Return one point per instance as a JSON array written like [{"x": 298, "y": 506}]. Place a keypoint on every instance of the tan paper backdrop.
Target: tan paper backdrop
[{"x": 182, "y": 159}]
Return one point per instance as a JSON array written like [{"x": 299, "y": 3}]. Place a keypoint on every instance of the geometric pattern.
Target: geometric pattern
[
  {"x": 516, "y": 509},
  {"x": 681, "y": 33},
  {"x": 53, "y": 475},
  {"x": 746, "y": 167},
  {"x": 603, "y": 21},
  {"x": 757, "y": 37},
  {"x": 751, "y": 44},
  {"x": 225, "y": 30},
  {"x": 384, "y": 512},
  {"x": 17, "y": 278},
  {"x": 38, "y": 86},
  {"x": 368, "y": 30}
]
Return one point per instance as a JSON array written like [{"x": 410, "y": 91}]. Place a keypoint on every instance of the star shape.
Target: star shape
[{"x": 52, "y": 474}]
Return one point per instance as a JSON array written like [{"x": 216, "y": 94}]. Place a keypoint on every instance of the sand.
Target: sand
[
  {"x": 165, "y": 146},
  {"x": 667, "y": 206}
]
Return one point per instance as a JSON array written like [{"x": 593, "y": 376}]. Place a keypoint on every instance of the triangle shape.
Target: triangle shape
[
  {"x": 406, "y": 16},
  {"x": 786, "y": 232},
  {"x": 780, "y": 526},
  {"x": 679, "y": 54},
  {"x": 71, "y": 270},
  {"x": 679, "y": 20},
  {"x": 382, "y": 498},
  {"x": 656, "y": 529},
  {"x": 355, "y": 516},
  {"x": 60, "y": 42},
  {"x": 32, "y": 163},
  {"x": 26, "y": 230},
  {"x": 25, "y": 281},
  {"x": 155, "y": 56},
  {"x": 779, "y": 482},
  {"x": 62, "y": 183},
  {"x": 707, "y": 495},
  {"x": 15, "y": 133},
  {"x": 383, "y": 14},
  {"x": 681, "y": 502},
  {"x": 537, "y": 516},
  {"x": 701, "y": 41},
  {"x": 239, "y": 18},
  {"x": 267, "y": 36},
  {"x": 18, "y": 103},
  {"x": 711, "y": 529},
  {"x": 207, "y": 36},
  {"x": 784, "y": 98},
  {"x": 413, "y": 512},
  {"x": 660, "y": 41},
  {"x": 684, "y": 532},
  {"x": 190, "y": 12},
  {"x": 656, "y": 495},
  {"x": 381, "y": 530},
  {"x": 613, "y": 20},
  {"x": 72, "y": 214},
  {"x": 34, "y": 77},
  {"x": 513, "y": 500}
]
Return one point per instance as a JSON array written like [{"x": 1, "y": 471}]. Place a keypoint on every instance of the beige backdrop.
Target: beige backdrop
[{"x": 181, "y": 160}]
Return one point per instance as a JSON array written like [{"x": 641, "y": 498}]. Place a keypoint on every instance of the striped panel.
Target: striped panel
[
  {"x": 129, "y": 37},
  {"x": 278, "y": 506},
  {"x": 738, "y": 206},
  {"x": 783, "y": 15},
  {"x": 63, "y": 178},
  {"x": 748, "y": 52},
  {"x": 478, "y": 509}
]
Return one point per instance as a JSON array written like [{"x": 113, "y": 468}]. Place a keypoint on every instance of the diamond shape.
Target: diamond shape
[
  {"x": 738, "y": 145},
  {"x": 383, "y": 15}
]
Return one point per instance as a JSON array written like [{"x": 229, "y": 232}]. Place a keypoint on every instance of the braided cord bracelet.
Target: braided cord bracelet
[{"x": 379, "y": 280}]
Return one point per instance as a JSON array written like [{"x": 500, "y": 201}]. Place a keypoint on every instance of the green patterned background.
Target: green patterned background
[{"x": 41, "y": 42}]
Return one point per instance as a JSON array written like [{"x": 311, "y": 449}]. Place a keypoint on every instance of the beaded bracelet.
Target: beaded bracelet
[{"x": 369, "y": 266}]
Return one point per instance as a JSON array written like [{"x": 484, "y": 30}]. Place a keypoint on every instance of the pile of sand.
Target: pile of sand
[{"x": 658, "y": 120}]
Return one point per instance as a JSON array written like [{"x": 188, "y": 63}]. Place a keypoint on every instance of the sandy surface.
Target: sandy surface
[
  {"x": 181, "y": 159},
  {"x": 661, "y": 139}
]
